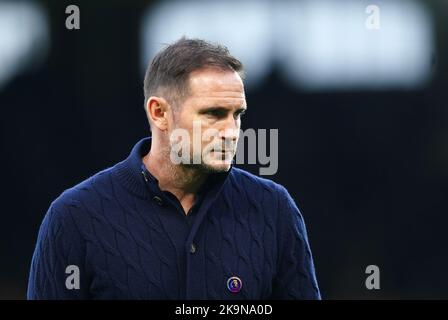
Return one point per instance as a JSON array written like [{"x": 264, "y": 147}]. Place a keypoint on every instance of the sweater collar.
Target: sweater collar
[{"x": 131, "y": 171}]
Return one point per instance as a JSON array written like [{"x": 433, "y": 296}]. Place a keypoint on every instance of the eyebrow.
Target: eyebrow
[{"x": 220, "y": 108}]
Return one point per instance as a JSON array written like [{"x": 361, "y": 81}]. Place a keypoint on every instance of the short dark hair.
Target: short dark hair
[{"x": 170, "y": 68}]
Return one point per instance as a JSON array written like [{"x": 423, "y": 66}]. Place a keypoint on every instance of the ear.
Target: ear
[{"x": 157, "y": 110}]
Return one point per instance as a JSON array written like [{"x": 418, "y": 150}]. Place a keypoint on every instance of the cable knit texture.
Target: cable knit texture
[{"x": 127, "y": 245}]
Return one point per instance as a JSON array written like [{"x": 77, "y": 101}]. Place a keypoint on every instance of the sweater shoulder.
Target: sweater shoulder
[
  {"x": 255, "y": 184},
  {"x": 252, "y": 181},
  {"x": 266, "y": 193},
  {"x": 86, "y": 193}
]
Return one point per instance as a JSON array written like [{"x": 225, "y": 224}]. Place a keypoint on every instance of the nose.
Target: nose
[{"x": 230, "y": 130}]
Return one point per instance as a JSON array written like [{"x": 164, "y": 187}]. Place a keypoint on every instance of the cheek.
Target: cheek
[
  {"x": 210, "y": 134},
  {"x": 181, "y": 122},
  {"x": 238, "y": 124}
]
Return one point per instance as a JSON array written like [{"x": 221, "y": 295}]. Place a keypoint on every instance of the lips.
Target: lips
[
  {"x": 222, "y": 151},
  {"x": 224, "y": 155}
]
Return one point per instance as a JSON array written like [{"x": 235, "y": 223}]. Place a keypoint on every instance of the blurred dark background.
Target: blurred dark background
[{"x": 361, "y": 113}]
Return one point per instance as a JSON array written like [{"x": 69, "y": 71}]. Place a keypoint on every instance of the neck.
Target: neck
[{"x": 184, "y": 182}]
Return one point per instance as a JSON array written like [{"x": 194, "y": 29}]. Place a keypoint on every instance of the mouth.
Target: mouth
[
  {"x": 222, "y": 151},
  {"x": 223, "y": 154}
]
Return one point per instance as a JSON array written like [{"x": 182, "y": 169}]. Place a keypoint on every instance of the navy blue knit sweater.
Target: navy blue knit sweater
[{"x": 244, "y": 238}]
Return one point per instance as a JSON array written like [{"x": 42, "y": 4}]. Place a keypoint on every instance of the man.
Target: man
[{"x": 174, "y": 222}]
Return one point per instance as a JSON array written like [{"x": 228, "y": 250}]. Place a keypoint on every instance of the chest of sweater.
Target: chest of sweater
[{"x": 139, "y": 248}]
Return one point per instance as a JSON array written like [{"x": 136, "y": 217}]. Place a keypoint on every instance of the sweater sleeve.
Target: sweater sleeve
[
  {"x": 57, "y": 267},
  {"x": 295, "y": 276}
]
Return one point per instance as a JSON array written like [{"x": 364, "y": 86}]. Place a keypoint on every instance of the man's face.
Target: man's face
[{"x": 211, "y": 115}]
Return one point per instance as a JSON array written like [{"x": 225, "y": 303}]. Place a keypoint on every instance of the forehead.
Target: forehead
[{"x": 220, "y": 86}]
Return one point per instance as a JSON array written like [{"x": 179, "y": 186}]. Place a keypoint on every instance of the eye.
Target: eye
[
  {"x": 239, "y": 113},
  {"x": 216, "y": 113}
]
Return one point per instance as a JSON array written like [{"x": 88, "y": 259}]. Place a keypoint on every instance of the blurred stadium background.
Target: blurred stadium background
[{"x": 362, "y": 117}]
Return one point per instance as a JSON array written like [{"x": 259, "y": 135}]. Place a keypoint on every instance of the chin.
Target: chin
[
  {"x": 217, "y": 165},
  {"x": 222, "y": 167}
]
